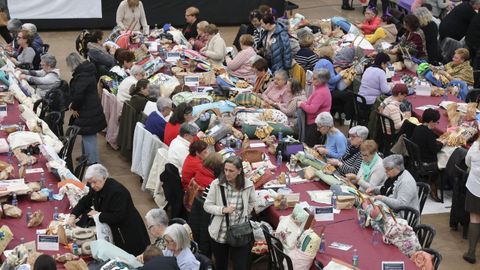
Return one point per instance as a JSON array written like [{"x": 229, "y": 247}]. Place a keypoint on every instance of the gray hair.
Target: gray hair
[
  {"x": 136, "y": 69},
  {"x": 14, "y": 25},
  {"x": 188, "y": 129},
  {"x": 30, "y": 27},
  {"x": 282, "y": 73},
  {"x": 157, "y": 216},
  {"x": 74, "y": 60},
  {"x": 359, "y": 131},
  {"x": 179, "y": 235},
  {"x": 322, "y": 75},
  {"x": 424, "y": 15},
  {"x": 394, "y": 161},
  {"x": 163, "y": 103},
  {"x": 324, "y": 119},
  {"x": 97, "y": 172},
  {"x": 153, "y": 90},
  {"x": 49, "y": 60}
]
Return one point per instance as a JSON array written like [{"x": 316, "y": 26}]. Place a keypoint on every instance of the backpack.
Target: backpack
[
  {"x": 58, "y": 99},
  {"x": 81, "y": 42}
]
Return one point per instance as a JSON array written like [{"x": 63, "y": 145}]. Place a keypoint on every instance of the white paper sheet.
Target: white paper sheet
[{"x": 321, "y": 196}]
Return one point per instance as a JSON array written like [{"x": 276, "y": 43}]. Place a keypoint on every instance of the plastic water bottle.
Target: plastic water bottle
[
  {"x": 10, "y": 155},
  {"x": 42, "y": 180},
  {"x": 375, "y": 237},
  {"x": 239, "y": 144},
  {"x": 361, "y": 220},
  {"x": 280, "y": 136},
  {"x": 55, "y": 213},
  {"x": 279, "y": 159},
  {"x": 29, "y": 161},
  {"x": 14, "y": 199},
  {"x": 355, "y": 258},
  {"x": 75, "y": 248},
  {"x": 156, "y": 27},
  {"x": 50, "y": 192},
  {"x": 322, "y": 243},
  {"x": 334, "y": 201},
  {"x": 28, "y": 215}
]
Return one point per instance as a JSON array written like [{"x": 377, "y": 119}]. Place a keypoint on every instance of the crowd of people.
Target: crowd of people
[{"x": 269, "y": 56}]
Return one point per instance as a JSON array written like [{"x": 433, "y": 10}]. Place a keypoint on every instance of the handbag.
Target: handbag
[
  {"x": 193, "y": 190},
  {"x": 240, "y": 234},
  {"x": 289, "y": 148}
]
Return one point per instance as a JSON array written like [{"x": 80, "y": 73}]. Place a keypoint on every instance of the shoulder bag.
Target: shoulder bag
[{"x": 240, "y": 234}]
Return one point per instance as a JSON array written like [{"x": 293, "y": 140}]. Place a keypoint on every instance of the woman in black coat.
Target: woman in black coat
[
  {"x": 87, "y": 111},
  {"x": 113, "y": 203},
  {"x": 430, "y": 30}
]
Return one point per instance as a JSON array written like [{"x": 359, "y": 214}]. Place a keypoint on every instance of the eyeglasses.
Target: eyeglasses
[{"x": 150, "y": 227}]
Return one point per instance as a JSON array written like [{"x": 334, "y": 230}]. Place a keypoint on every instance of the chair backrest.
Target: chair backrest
[
  {"x": 308, "y": 83},
  {"x": 473, "y": 96},
  {"x": 425, "y": 234},
  {"x": 68, "y": 143},
  {"x": 43, "y": 108},
  {"x": 387, "y": 126},
  {"x": 423, "y": 191},
  {"x": 359, "y": 117},
  {"x": 53, "y": 121},
  {"x": 410, "y": 214},
  {"x": 205, "y": 262},
  {"x": 271, "y": 241},
  {"x": 282, "y": 259},
  {"x": 437, "y": 257},
  {"x": 177, "y": 220},
  {"x": 81, "y": 167},
  {"x": 414, "y": 156}
]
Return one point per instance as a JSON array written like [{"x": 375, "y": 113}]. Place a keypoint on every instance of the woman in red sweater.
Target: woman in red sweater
[
  {"x": 181, "y": 114},
  {"x": 371, "y": 23},
  {"x": 211, "y": 168},
  {"x": 319, "y": 101},
  {"x": 198, "y": 150}
]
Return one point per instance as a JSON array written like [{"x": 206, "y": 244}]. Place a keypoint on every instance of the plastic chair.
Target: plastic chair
[
  {"x": 437, "y": 257},
  {"x": 425, "y": 234},
  {"x": 423, "y": 191},
  {"x": 53, "y": 121},
  {"x": 358, "y": 117},
  {"x": 473, "y": 96},
  {"x": 43, "y": 108},
  {"x": 301, "y": 124},
  {"x": 81, "y": 167},
  {"x": 281, "y": 257},
  {"x": 271, "y": 241},
  {"x": 68, "y": 143},
  {"x": 387, "y": 132},
  {"x": 409, "y": 214}
]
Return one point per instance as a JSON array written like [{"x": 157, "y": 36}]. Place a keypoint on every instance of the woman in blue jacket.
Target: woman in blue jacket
[{"x": 275, "y": 44}]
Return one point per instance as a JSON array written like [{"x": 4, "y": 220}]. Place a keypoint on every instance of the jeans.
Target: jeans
[
  {"x": 90, "y": 149},
  {"x": 240, "y": 256}
]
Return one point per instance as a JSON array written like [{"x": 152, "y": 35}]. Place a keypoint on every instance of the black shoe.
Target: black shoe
[
  {"x": 469, "y": 258},
  {"x": 347, "y": 7}
]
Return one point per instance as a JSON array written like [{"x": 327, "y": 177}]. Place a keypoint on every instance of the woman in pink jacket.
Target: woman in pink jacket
[
  {"x": 319, "y": 101},
  {"x": 241, "y": 65}
]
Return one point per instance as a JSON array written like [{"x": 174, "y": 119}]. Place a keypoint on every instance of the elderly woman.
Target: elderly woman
[
  {"x": 131, "y": 16},
  {"x": 428, "y": 144},
  {"x": 45, "y": 79},
  {"x": 215, "y": 49},
  {"x": 263, "y": 76},
  {"x": 241, "y": 65},
  {"x": 111, "y": 202},
  {"x": 374, "y": 80},
  {"x": 413, "y": 41},
  {"x": 230, "y": 201},
  {"x": 181, "y": 114},
  {"x": 305, "y": 57},
  {"x": 459, "y": 68},
  {"x": 157, "y": 221},
  {"x": 136, "y": 73},
  {"x": 37, "y": 43},
  {"x": 13, "y": 26},
  {"x": 25, "y": 54},
  {"x": 179, "y": 148},
  {"x": 278, "y": 92},
  {"x": 319, "y": 101},
  {"x": 198, "y": 151},
  {"x": 371, "y": 22},
  {"x": 142, "y": 93},
  {"x": 391, "y": 108},
  {"x": 177, "y": 244},
  {"x": 371, "y": 172},
  {"x": 87, "y": 111},
  {"x": 336, "y": 143},
  {"x": 430, "y": 30},
  {"x": 191, "y": 17},
  {"x": 157, "y": 120},
  {"x": 201, "y": 40},
  {"x": 98, "y": 54},
  {"x": 400, "y": 189},
  {"x": 351, "y": 161},
  {"x": 290, "y": 108},
  {"x": 472, "y": 200},
  {"x": 326, "y": 62}
]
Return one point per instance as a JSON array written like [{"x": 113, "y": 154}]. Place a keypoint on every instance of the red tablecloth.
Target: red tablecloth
[
  {"x": 19, "y": 226},
  {"x": 346, "y": 231},
  {"x": 418, "y": 101}
]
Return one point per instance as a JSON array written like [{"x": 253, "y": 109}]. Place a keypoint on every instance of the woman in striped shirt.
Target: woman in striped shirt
[{"x": 305, "y": 57}]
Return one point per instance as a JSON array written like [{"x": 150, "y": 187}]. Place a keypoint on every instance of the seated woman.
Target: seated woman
[
  {"x": 264, "y": 78},
  {"x": 386, "y": 32},
  {"x": 319, "y": 101},
  {"x": 351, "y": 161},
  {"x": 429, "y": 147},
  {"x": 181, "y": 114},
  {"x": 141, "y": 93},
  {"x": 374, "y": 80},
  {"x": 136, "y": 73},
  {"x": 413, "y": 40},
  {"x": 211, "y": 168},
  {"x": 125, "y": 60},
  {"x": 45, "y": 79},
  {"x": 201, "y": 40},
  {"x": 157, "y": 120},
  {"x": 326, "y": 62},
  {"x": 215, "y": 50},
  {"x": 400, "y": 189},
  {"x": 198, "y": 150},
  {"x": 391, "y": 108},
  {"x": 177, "y": 242},
  {"x": 25, "y": 54},
  {"x": 241, "y": 65},
  {"x": 371, "y": 22},
  {"x": 305, "y": 57},
  {"x": 336, "y": 143},
  {"x": 371, "y": 173},
  {"x": 459, "y": 68},
  {"x": 290, "y": 108},
  {"x": 278, "y": 91},
  {"x": 98, "y": 54}
]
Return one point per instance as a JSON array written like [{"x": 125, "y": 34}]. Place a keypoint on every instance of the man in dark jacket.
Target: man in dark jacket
[
  {"x": 113, "y": 205},
  {"x": 275, "y": 44},
  {"x": 456, "y": 23}
]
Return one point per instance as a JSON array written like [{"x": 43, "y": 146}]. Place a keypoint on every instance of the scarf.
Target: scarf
[
  {"x": 260, "y": 82},
  {"x": 367, "y": 167},
  {"x": 387, "y": 188}
]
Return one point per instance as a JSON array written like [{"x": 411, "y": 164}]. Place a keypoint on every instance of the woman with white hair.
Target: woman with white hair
[
  {"x": 136, "y": 73},
  {"x": 111, "y": 202},
  {"x": 157, "y": 120},
  {"x": 336, "y": 143},
  {"x": 45, "y": 79},
  {"x": 278, "y": 91},
  {"x": 177, "y": 243},
  {"x": 156, "y": 221},
  {"x": 351, "y": 161},
  {"x": 400, "y": 189},
  {"x": 319, "y": 101},
  {"x": 37, "y": 43}
]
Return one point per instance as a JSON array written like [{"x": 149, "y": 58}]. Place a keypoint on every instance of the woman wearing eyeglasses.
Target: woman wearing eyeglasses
[
  {"x": 26, "y": 53},
  {"x": 177, "y": 242}
]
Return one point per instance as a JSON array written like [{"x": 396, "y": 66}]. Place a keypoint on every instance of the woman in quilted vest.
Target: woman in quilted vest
[{"x": 275, "y": 44}]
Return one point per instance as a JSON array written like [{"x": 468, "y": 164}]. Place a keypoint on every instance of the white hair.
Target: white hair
[
  {"x": 359, "y": 131},
  {"x": 164, "y": 103},
  {"x": 394, "y": 161},
  {"x": 157, "y": 216},
  {"x": 324, "y": 119},
  {"x": 179, "y": 235},
  {"x": 30, "y": 27},
  {"x": 97, "y": 172},
  {"x": 49, "y": 60},
  {"x": 282, "y": 73},
  {"x": 322, "y": 75}
]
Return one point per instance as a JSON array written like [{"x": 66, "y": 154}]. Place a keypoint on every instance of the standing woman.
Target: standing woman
[
  {"x": 131, "y": 16},
  {"x": 87, "y": 112},
  {"x": 240, "y": 198},
  {"x": 430, "y": 30},
  {"x": 472, "y": 200}
]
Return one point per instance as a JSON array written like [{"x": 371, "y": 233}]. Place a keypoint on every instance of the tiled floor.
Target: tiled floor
[{"x": 449, "y": 243}]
